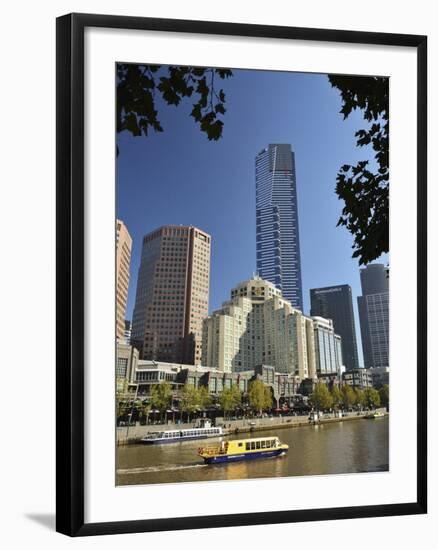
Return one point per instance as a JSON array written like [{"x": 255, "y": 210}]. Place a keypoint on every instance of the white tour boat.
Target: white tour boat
[{"x": 173, "y": 436}]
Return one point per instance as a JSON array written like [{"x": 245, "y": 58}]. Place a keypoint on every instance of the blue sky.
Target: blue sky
[{"x": 179, "y": 177}]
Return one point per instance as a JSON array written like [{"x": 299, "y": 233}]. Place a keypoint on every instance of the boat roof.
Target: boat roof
[
  {"x": 254, "y": 439},
  {"x": 188, "y": 429}
]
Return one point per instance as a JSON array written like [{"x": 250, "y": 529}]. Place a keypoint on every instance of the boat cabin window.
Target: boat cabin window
[
  {"x": 263, "y": 444},
  {"x": 257, "y": 444},
  {"x": 252, "y": 445},
  {"x": 247, "y": 446},
  {"x": 240, "y": 444}
]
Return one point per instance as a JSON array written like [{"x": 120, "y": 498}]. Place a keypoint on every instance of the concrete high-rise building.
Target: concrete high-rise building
[
  {"x": 277, "y": 233},
  {"x": 335, "y": 303},
  {"x": 123, "y": 260},
  {"x": 373, "y": 308},
  {"x": 258, "y": 326},
  {"x": 172, "y": 294},
  {"x": 328, "y": 347},
  {"x": 126, "y": 365}
]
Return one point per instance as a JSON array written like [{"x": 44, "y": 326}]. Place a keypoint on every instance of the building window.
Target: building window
[{"x": 121, "y": 367}]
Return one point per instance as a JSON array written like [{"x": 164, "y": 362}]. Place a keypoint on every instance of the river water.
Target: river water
[{"x": 337, "y": 448}]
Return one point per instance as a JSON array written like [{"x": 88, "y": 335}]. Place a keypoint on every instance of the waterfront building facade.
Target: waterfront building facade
[
  {"x": 152, "y": 373},
  {"x": 358, "y": 378},
  {"x": 123, "y": 260},
  {"x": 277, "y": 232},
  {"x": 328, "y": 347},
  {"x": 373, "y": 308},
  {"x": 172, "y": 294},
  {"x": 330, "y": 380},
  {"x": 258, "y": 326},
  {"x": 126, "y": 365},
  {"x": 148, "y": 374},
  {"x": 380, "y": 376},
  {"x": 335, "y": 303}
]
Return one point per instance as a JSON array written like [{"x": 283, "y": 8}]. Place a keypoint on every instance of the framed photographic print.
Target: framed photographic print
[{"x": 241, "y": 274}]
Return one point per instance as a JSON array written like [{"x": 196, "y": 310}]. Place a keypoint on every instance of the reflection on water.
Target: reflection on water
[{"x": 344, "y": 447}]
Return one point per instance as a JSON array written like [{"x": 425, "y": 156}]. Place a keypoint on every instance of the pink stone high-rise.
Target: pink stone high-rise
[
  {"x": 172, "y": 294},
  {"x": 123, "y": 260}
]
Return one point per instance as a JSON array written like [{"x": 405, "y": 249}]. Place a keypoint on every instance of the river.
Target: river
[{"x": 337, "y": 448}]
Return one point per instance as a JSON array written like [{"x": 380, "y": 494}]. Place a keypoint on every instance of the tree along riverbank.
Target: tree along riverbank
[{"x": 133, "y": 434}]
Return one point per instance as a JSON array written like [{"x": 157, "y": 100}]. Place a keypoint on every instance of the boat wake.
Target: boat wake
[{"x": 161, "y": 468}]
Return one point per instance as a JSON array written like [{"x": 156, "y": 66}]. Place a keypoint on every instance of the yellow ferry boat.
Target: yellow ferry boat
[
  {"x": 243, "y": 449},
  {"x": 374, "y": 415}
]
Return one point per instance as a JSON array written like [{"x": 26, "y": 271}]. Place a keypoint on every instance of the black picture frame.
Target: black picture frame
[{"x": 70, "y": 273}]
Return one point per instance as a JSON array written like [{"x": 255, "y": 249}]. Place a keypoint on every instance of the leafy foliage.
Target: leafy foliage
[
  {"x": 336, "y": 396},
  {"x": 139, "y": 85},
  {"x": 365, "y": 191},
  {"x": 144, "y": 410},
  {"x": 189, "y": 399},
  {"x": 161, "y": 396},
  {"x": 193, "y": 399},
  {"x": 321, "y": 398},
  {"x": 359, "y": 397},
  {"x": 204, "y": 398},
  {"x": 120, "y": 407},
  {"x": 384, "y": 395},
  {"x": 260, "y": 396},
  {"x": 348, "y": 396},
  {"x": 372, "y": 398},
  {"x": 230, "y": 398}
]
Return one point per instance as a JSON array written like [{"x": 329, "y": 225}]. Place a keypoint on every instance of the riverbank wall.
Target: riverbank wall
[{"x": 133, "y": 434}]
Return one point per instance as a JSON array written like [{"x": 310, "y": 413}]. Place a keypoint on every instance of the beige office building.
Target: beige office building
[
  {"x": 259, "y": 327},
  {"x": 172, "y": 294},
  {"x": 126, "y": 366},
  {"x": 123, "y": 260}
]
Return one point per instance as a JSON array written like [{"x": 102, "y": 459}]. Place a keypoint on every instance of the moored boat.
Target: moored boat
[
  {"x": 243, "y": 449},
  {"x": 174, "y": 436},
  {"x": 377, "y": 414}
]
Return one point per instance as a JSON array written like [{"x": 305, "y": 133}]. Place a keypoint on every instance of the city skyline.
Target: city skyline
[{"x": 215, "y": 181}]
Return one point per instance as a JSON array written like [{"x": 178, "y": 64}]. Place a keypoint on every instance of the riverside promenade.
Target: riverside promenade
[{"x": 133, "y": 434}]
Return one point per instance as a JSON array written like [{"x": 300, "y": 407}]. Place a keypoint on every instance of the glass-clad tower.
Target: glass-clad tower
[
  {"x": 278, "y": 242},
  {"x": 374, "y": 315}
]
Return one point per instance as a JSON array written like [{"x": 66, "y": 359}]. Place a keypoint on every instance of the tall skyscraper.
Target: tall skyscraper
[
  {"x": 123, "y": 260},
  {"x": 374, "y": 315},
  {"x": 172, "y": 294},
  {"x": 335, "y": 303},
  {"x": 277, "y": 234},
  {"x": 258, "y": 326}
]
